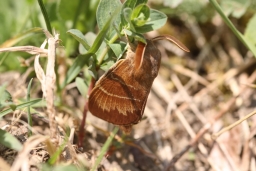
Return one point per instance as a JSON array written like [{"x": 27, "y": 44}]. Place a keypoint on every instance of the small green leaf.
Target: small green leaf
[
  {"x": 140, "y": 15},
  {"x": 53, "y": 159},
  {"x": 156, "y": 20},
  {"x": 78, "y": 35},
  {"x": 78, "y": 64},
  {"x": 250, "y": 32},
  {"x": 100, "y": 38},
  {"x": 13, "y": 107},
  {"x": 9, "y": 141},
  {"x": 136, "y": 36},
  {"x": 141, "y": 2},
  {"x": 129, "y": 4},
  {"x": 127, "y": 12},
  {"x": 104, "y": 14},
  {"x": 81, "y": 86},
  {"x": 20, "y": 106},
  {"x": 89, "y": 37},
  {"x": 118, "y": 49}
]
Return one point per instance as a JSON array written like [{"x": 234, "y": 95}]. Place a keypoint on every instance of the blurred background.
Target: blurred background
[{"x": 195, "y": 95}]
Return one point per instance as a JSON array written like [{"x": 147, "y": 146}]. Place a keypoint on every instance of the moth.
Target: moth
[{"x": 120, "y": 95}]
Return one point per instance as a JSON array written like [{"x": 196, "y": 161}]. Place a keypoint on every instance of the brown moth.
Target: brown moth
[{"x": 120, "y": 95}]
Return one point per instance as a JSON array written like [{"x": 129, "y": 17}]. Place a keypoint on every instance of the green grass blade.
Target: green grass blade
[
  {"x": 29, "y": 114},
  {"x": 20, "y": 106},
  {"x": 46, "y": 18},
  {"x": 105, "y": 148},
  {"x": 233, "y": 28}
]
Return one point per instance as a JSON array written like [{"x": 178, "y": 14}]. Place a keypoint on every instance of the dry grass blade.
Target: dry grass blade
[
  {"x": 50, "y": 79},
  {"x": 29, "y": 49},
  {"x": 48, "y": 82},
  {"x": 216, "y": 135}
]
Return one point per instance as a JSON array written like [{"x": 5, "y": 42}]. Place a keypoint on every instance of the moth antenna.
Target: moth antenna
[
  {"x": 173, "y": 40},
  {"x": 139, "y": 54}
]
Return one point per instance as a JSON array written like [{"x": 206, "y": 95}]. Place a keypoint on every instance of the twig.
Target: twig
[
  {"x": 29, "y": 49},
  {"x": 216, "y": 135},
  {"x": 81, "y": 132}
]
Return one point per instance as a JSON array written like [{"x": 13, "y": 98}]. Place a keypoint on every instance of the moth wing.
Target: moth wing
[{"x": 117, "y": 97}]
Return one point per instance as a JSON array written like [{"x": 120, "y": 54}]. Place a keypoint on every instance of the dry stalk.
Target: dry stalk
[
  {"x": 29, "y": 49},
  {"x": 48, "y": 82}
]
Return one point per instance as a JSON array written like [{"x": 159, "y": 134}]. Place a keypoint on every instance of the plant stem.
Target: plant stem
[
  {"x": 105, "y": 148},
  {"x": 29, "y": 114},
  {"x": 105, "y": 51},
  {"x": 231, "y": 26}
]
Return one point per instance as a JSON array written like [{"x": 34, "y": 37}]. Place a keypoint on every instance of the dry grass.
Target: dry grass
[{"x": 193, "y": 98}]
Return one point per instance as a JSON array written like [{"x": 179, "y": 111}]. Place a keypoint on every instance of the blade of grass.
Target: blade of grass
[
  {"x": 20, "y": 106},
  {"x": 46, "y": 18},
  {"x": 232, "y": 27},
  {"x": 21, "y": 36},
  {"x": 29, "y": 114},
  {"x": 54, "y": 158},
  {"x": 105, "y": 148}
]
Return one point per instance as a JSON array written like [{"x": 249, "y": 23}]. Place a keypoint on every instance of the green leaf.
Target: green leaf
[
  {"x": 141, "y": 2},
  {"x": 9, "y": 141},
  {"x": 53, "y": 159},
  {"x": 21, "y": 36},
  {"x": 250, "y": 32},
  {"x": 78, "y": 35},
  {"x": 89, "y": 37},
  {"x": 76, "y": 67},
  {"x": 129, "y": 4},
  {"x": 118, "y": 49},
  {"x": 156, "y": 20},
  {"x": 140, "y": 15},
  {"x": 104, "y": 13},
  {"x": 127, "y": 12},
  {"x": 81, "y": 86},
  {"x": 99, "y": 39},
  {"x": 136, "y": 36},
  {"x": 20, "y": 106},
  {"x": 82, "y": 59}
]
